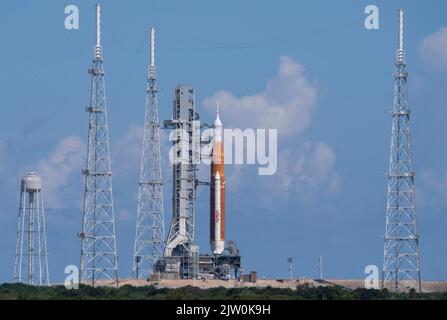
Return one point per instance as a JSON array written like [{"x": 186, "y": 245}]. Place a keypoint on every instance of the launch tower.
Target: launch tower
[
  {"x": 181, "y": 256},
  {"x": 185, "y": 156}
]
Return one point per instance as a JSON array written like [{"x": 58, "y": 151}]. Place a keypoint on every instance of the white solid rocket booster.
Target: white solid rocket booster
[{"x": 219, "y": 245}]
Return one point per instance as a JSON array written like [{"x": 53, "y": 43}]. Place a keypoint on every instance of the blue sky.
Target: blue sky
[{"x": 322, "y": 66}]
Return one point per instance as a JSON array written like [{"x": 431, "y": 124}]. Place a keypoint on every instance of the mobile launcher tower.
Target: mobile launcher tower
[{"x": 181, "y": 257}]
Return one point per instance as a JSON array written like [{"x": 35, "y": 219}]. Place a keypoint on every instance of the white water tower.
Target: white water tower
[{"x": 31, "y": 261}]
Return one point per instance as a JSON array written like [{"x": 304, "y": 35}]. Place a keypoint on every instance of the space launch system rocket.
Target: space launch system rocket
[{"x": 217, "y": 190}]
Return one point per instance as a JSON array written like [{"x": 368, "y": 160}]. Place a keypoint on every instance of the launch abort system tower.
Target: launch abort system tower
[{"x": 401, "y": 265}]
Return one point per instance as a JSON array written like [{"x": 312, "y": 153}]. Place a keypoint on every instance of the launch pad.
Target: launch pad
[
  {"x": 181, "y": 258},
  {"x": 177, "y": 255},
  {"x": 221, "y": 267}
]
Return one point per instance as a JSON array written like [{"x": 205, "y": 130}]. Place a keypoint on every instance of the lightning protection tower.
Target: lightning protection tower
[
  {"x": 150, "y": 231},
  {"x": 401, "y": 264},
  {"x": 99, "y": 260},
  {"x": 31, "y": 261}
]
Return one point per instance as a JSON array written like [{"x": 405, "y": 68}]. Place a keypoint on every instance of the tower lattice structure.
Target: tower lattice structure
[
  {"x": 401, "y": 264},
  {"x": 150, "y": 230},
  {"x": 99, "y": 259}
]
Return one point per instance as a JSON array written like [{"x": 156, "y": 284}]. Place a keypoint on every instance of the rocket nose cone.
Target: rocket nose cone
[{"x": 217, "y": 123}]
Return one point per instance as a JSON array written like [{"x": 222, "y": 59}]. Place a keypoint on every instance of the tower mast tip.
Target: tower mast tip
[
  {"x": 98, "y": 32},
  {"x": 151, "y": 74},
  {"x": 400, "y": 50},
  {"x": 152, "y": 41}
]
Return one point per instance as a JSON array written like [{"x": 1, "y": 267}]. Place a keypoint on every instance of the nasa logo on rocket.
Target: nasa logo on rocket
[{"x": 217, "y": 216}]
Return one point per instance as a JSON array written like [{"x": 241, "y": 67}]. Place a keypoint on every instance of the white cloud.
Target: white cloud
[
  {"x": 433, "y": 48},
  {"x": 61, "y": 169},
  {"x": 126, "y": 152},
  {"x": 305, "y": 168},
  {"x": 61, "y": 174},
  {"x": 286, "y": 104}
]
